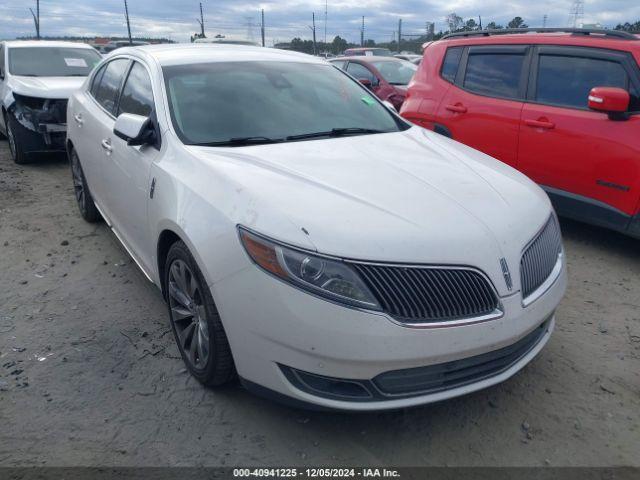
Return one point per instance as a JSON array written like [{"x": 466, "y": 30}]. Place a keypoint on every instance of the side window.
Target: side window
[
  {"x": 494, "y": 74},
  {"x": 360, "y": 71},
  {"x": 1, "y": 59},
  {"x": 96, "y": 80},
  {"x": 450, "y": 63},
  {"x": 339, "y": 64},
  {"x": 137, "y": 95},
  {"x": 566, "y": 81},
  {"x": 107, "y": 91}
]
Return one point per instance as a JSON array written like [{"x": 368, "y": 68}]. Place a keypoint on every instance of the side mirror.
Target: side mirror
[
  {"x": 366, "y": 82},
  {"x": 611, "y": 100},
  {"x": 389, "y": 105},
  {"x": 134, "y": 129}
]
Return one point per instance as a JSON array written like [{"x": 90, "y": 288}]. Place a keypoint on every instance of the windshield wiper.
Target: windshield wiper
[
  {"x": 240, "y": 141},
  {"x": 336, "y": 132}
]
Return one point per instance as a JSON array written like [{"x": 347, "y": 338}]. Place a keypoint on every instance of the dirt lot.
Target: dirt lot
[{"x": 90, "y": 375}]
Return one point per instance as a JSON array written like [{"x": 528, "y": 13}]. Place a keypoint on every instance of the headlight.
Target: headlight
[{"x": 328, "y": 277}]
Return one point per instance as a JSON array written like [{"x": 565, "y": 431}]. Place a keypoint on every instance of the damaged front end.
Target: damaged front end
[{"x": 43, "y": 122}]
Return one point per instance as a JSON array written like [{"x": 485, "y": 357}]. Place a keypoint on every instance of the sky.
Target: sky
[{"x": 285, "y": 19}]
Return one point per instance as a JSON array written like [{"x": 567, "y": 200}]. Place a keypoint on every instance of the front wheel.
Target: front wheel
[
  {"x": 15, "y": 146},
  {"x": 81, "y": 191},
  {"x": 195, "y": 321}
]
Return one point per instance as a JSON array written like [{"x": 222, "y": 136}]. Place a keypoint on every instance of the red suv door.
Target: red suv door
[
  {"x": 482, "y": 109},
  {"x": 588, "y": 163}
]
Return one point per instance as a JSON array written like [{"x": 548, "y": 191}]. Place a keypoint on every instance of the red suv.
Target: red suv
[{"x": 563, "y": 107}]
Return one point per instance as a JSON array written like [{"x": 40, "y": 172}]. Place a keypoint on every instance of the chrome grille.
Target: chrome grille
[
  {"x": 540, "y": 257},
  {"x": 425, "y": 294}
]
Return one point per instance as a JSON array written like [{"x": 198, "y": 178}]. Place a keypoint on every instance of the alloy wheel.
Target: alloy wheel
[
  {"x": 188, "y": 314},
  {"x": 12, "y": 140}
]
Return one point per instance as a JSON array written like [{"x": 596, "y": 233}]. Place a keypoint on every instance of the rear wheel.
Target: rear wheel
[
  {"x": 15, "y": 146},
  {"x": 195, "y": 321},
  {"x": 81, "y": 191}
]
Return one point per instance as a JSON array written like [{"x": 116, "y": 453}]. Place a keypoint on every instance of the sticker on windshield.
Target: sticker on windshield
[
  {"x": 368, "y": 100},
  {"x": 75, "y": 62}
]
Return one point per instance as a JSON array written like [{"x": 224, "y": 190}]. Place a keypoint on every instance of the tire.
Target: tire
[
  {"x": 15, "y": 147},
  {"x": 81, "y": 191},
  {"x": 195, "y": 321}
]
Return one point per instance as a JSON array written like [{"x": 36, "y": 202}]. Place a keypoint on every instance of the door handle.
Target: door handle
[
  {"x": 106, "y": 145},
  {"x": 78, "y": 118},
  {"x": 542, "y": 123},
  {"x": 457, "y": 108}
]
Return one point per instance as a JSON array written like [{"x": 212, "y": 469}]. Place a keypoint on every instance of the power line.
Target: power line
[{"x": 577, "y": 12}]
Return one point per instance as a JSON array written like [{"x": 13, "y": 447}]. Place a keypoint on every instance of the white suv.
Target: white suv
[
  {"x": 36, "y": 79},
  {"x": 307, "y": 237}
]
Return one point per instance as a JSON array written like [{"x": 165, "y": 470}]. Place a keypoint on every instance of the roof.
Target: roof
[
  {"x": 573, "y": 37},
  {"x": 45, "y": 44},
  {"x": 189, "y": 53}
]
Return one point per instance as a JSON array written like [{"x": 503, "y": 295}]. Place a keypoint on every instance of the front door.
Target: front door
[
  {"x": 127, "y": 170},
  {"x": 482, "y": 109}
]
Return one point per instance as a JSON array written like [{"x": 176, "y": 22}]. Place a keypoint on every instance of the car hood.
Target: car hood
[
  {"x": 45, "y": 87},
  {"x": 407, "y": 197}
]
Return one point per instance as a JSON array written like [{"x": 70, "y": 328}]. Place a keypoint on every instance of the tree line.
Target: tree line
[{"x": 455, "y": 23}]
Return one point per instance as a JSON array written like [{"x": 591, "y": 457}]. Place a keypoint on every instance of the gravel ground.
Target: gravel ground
[{"x": 90, "y": 375}]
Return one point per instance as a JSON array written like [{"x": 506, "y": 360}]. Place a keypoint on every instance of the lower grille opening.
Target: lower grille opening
[
  {"x": 417, "y": 381},
  {"x": 446, "y": 376}
]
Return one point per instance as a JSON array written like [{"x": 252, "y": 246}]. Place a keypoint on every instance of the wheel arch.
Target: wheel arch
[{"x": 166, "y": 238}]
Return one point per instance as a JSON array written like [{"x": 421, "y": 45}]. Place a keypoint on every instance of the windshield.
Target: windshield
[
  {"x": 52, "y": 61},
  {"x": 269, "y": 101},
  {"x": 398, "y": 72}
]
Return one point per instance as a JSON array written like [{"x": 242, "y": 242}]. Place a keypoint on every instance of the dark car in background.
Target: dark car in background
[{"x": 386, "y": 77}]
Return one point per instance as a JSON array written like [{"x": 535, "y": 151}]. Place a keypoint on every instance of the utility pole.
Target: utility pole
[
  {"x": 36, "y": 18},
  {"x": 262, "y": 27},
  {"x": 126, "y": 12},
  {"x": 480, "y": 22},
  {"x": 201, "y": 22},
  {"x": 313, "y": 19},
  {"x": 399, "y": 33},
  {"x": 544, "y": 21},
  {"x": 325, "y": 22},
  {"x": 362, "y": 33}
]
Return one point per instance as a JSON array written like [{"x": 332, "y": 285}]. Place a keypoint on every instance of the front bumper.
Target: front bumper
[
  {"x": 271, "y": 324},
  {"x": 40, "y": 124}
]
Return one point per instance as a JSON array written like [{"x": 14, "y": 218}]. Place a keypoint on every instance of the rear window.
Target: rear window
[
  {"x": 450, "y": 63},
  {"x": 109, "y": 87},
  {"x": 52, "y": 61},
  {"x": 494, "y": 74}
]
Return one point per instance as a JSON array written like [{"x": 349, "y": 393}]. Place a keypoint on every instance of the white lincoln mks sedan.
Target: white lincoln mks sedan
[{"x": 306, "y": 238}]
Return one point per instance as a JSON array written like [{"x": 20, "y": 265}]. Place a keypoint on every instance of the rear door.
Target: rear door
[
  {"x": 482, "y": 109},
  {"x": 93, "y": 115},
  {"x": 589, "y": 164}
]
